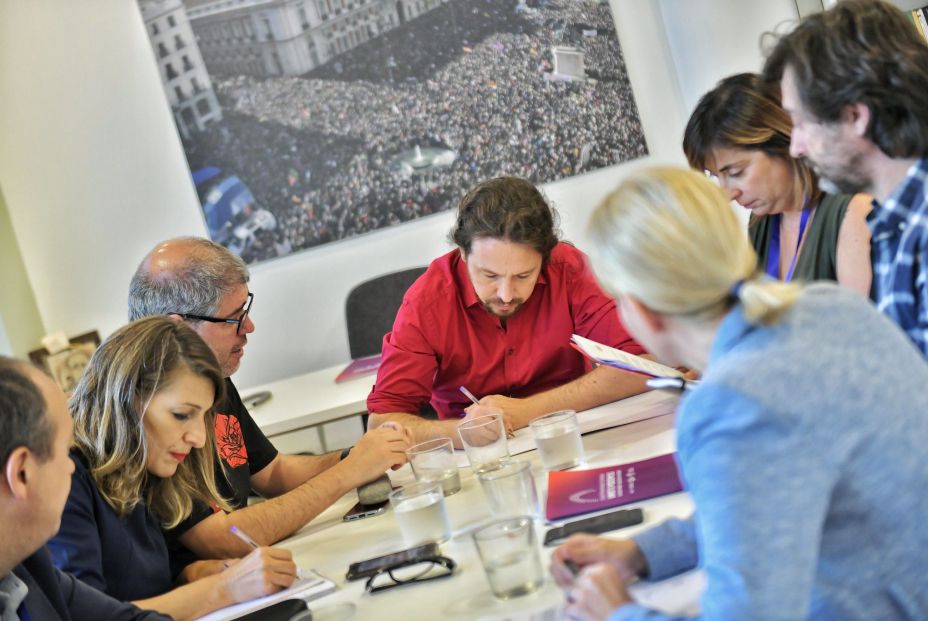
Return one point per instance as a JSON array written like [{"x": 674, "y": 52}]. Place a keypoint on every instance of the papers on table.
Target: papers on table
[
  {"x": 630, "y": 410},
  {"x": 311, "y": 586},
  {"x": 610, "y": 356}
]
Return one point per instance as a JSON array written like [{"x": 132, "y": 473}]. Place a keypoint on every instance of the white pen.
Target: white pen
[
  {"x": 676, "y": 384},
  {"x": 469, "y": 395},
  {"x": 238, "y": 532},
  {"x": 235, "y": 530}
]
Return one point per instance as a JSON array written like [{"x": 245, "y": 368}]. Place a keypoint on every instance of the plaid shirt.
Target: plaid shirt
[{"x": 900, "y": 254}]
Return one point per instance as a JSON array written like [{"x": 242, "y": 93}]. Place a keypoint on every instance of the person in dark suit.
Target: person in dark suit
[{"x": 35, "y": 435}]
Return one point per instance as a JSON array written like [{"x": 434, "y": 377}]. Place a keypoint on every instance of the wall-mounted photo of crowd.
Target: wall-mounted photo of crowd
[{"x": 306, "y": 122}]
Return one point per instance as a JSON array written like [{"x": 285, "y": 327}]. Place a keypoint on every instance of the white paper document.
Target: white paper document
[
  {"x": 311, "y": 586},
  {"x": 613, "y": 357}
]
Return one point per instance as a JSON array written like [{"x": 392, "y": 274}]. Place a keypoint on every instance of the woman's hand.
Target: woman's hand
[
  {"x": 264, "y": 571},
  {"x": 201, "y": 569},
  {"x": 581, "y": 550},
  {"x": 596, "y": 592}
]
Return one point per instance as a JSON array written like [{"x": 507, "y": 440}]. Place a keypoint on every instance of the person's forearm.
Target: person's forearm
[
  {"x": 422, "y": 429},
  {"x": 293, "y": 470},
  {"x": 272, "y": 520},
  {"x": 601, "y": 385},
  {"x": 189, "y": 601}
]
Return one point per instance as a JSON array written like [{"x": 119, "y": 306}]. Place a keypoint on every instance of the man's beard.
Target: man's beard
[
  {"x": 516, "y": 304},
  {"x": 846, "y": 179}
]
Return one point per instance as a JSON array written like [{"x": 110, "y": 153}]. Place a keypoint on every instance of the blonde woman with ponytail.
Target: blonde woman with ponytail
[
  {"x": 801, "y": 448},
  {"x": 143, "y": 454}
]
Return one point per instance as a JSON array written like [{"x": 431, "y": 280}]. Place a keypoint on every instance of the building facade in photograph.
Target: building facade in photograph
[
  {"x": 183, "y": 72},
  {"x": 266, "y": 38}
]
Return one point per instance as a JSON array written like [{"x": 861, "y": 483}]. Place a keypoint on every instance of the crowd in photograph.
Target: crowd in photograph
[{"x": 319, "y": 153}]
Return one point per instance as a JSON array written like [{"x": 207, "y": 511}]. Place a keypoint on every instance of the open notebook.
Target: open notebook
[{"x": 311, "y": 586}]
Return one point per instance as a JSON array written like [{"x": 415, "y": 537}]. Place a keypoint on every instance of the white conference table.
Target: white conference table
[
  {"x": 309, "y": 400},
  {"x": 329, "y": 545}
]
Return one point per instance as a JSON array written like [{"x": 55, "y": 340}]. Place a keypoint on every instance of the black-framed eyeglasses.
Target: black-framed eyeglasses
[
  {"x": 415, "y": 570},
  {"x": 239, "y": 321}
]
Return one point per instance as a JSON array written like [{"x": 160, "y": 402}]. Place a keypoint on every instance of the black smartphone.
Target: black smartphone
[
  {"x": 359, "y": 511},
  {"x": 596, "y": 524},
  {"x": 366, "y": 569}
]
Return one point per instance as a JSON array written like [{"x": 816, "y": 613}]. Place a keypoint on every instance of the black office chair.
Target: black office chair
[
  {"x": 371, "y": 308},
  {"x": 369, "y": 313}
]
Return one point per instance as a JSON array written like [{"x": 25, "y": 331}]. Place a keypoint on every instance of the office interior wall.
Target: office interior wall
[
  {"x": 94, "y": 173},
  {"x": 711, "y": 39},
  {"x": 20, "y": 325}
]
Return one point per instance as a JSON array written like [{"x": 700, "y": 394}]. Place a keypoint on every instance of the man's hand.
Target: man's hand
[
  {"x": 378, "y": 450},
  {"x": 596, "y": 593},
  {"x": 487, "y": 434},
  {"x": 516, "y": 411},
  {"x": 623, "y": 555}
]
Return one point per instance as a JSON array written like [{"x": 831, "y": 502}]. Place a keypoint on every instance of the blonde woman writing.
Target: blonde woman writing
[
  {"x": 802, "y": 447},
  {"x": 143, "y": 453}
]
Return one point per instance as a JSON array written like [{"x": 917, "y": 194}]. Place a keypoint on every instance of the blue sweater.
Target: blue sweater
[
  {"x": 804, "y": 452},
  {"x": 125, "y": 557}
]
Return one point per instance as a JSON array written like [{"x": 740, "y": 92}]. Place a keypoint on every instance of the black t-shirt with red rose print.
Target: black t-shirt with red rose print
[{"x": 244, "y": 451}]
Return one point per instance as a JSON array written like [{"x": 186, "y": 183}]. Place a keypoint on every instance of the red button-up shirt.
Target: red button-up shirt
[{"x": 443, "y": 338}]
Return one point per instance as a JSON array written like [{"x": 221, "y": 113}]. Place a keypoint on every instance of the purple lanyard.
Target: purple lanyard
[{"x": 773, "y": 256}]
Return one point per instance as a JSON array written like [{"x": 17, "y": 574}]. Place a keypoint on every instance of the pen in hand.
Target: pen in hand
[
  {"x": 476, "y": 401},
  {"x": 469, "y": 395},
  {"x": 238, "y": 532},
  {"x": 235, "y": 530}
]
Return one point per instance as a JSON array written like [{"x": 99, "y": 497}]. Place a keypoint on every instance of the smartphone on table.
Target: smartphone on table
[
  {"x": 366, "y": 569},
  {"x": 359, "y": 511},
  {"x": 606, "y": 522}
]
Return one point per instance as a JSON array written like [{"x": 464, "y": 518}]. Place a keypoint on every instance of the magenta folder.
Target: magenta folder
[
  {"x": 359, "y": 367},
  {"x": 582, "y": 491}
]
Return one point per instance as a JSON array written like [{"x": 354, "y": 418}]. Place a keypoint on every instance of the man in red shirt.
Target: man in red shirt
[{"x": 495, "y": 315}]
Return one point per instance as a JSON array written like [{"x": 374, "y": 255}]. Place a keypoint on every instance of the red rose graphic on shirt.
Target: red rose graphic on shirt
[{"x": 229, "y": 441}]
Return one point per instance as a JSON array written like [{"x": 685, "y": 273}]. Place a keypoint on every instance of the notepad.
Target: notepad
[
  {"x": 311, "y": 586},
  {"x": 610, "y": 356}
]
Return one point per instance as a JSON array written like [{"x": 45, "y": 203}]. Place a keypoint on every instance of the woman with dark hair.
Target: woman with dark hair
[
  {"x": 740, "y": 134},
  {"x": 144, "y": 452}
]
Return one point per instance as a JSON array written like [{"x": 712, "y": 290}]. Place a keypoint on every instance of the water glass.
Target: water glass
[
  {"x": 434, "y": 461},
  {"x": 421, "y": 513},
  {"x": 484, "y": 440},
  {"x": 510, "y": 490},
  {"x": 509, "y": 554},
  {"x": 557, "y": 436}
]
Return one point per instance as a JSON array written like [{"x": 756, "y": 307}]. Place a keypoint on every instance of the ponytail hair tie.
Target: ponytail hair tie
[{"x": 735, "y": 290}]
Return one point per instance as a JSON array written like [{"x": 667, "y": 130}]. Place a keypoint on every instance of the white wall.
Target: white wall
[
  {"x": 94, "y": 174},
  {"x": 711, "y": 39}
]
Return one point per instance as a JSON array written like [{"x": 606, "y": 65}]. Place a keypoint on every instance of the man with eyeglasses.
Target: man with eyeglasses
[{"x": 201, "y": 282}]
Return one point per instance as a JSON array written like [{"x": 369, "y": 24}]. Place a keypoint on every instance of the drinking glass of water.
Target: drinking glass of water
[
  {"x": 434, "y": 460},
  {"x": 421, "y": 513},
  {"x": 557, "y": 436},
  {"x": 484, "y": 440},
  {"x": 509, "y": 554},
  {"x": 510, "y": 490}
]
